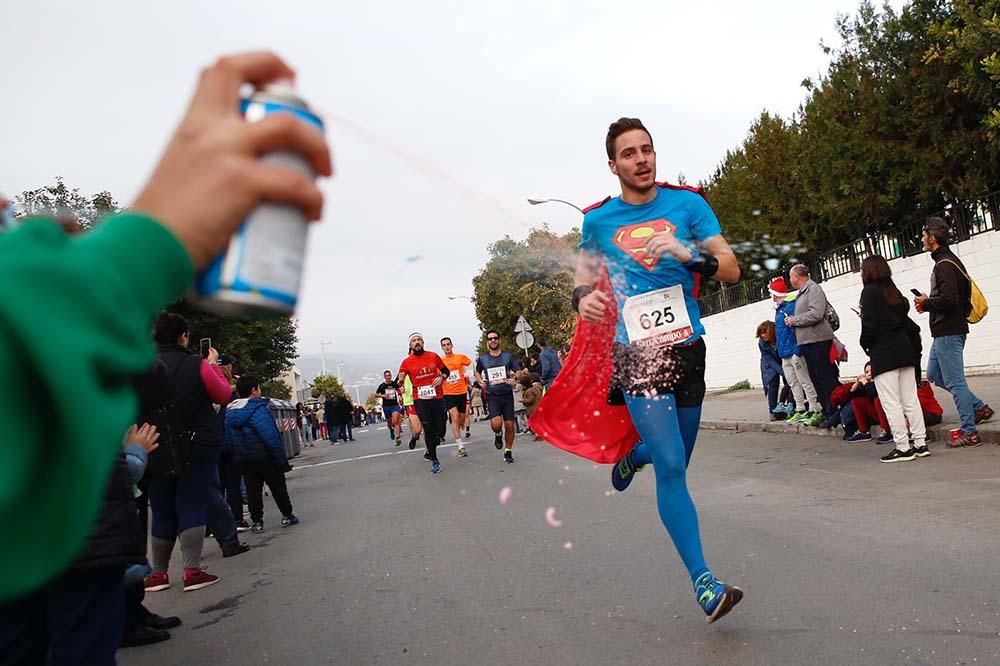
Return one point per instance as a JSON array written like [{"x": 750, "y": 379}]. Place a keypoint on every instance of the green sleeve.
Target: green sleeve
[{"x": 74, "y": 332}]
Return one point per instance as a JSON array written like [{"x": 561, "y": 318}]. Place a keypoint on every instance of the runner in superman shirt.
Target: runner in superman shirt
[
  {"x": 427, "y": 372},
  {"x": 657, "y": 242}
]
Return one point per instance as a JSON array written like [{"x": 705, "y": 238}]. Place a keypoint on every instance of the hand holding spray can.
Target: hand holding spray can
[{"x": 260, "y": 271}]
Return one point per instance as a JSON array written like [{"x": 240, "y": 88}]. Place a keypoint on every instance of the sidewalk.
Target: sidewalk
[{"x": 746, "y": 411}]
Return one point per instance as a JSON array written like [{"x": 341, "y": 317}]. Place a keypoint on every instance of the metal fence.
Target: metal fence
[{"x": 967, "y": 219}]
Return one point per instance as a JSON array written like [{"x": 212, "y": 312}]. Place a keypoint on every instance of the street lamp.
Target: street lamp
[{"x": 535, "y": 202}]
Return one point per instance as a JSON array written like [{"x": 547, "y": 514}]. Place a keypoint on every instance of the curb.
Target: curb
[{"x": 990, "y": 434}]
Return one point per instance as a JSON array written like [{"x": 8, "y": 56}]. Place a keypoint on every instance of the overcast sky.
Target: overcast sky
[{"x": 443, "y": 117}]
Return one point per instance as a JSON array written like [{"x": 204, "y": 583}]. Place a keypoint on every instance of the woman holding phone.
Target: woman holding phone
[
  {"x": 887, "y": 339},
  {"x": 181, "y": 471}
]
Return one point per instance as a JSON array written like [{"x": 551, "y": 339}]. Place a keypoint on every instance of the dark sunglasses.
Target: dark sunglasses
[{"x": 493, "y": 338}]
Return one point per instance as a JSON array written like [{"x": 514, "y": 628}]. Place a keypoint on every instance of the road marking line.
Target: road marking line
[{"x": 367, "y": 457}]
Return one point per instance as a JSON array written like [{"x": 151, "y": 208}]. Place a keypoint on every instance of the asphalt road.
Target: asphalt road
[{"x": 844, "y": 561}]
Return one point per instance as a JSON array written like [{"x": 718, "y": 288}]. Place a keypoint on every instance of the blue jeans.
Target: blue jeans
[{"x": 946, "y": 368}]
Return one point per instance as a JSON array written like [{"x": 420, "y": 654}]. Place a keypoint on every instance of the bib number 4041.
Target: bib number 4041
[{"x": 657, "y": 318}]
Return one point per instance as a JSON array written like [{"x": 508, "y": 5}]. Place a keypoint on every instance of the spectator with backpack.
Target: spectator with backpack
[
  {"x": 814, "y": 322},
  {"x": 253, "y": 437},
  {"x": 182, "y": 471},
  {"x": 953, "y": 303}
]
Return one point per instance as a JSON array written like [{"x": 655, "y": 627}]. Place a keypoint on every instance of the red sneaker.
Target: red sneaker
[
  {"x": 195, "y": 579},
  {"x": 984, "y": 414},
  {"x": 156, "y": 582},
  {"x": 968, "y": 439}
]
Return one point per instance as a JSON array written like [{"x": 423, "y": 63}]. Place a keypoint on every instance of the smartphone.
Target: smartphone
[
  {"x": 915, "y": 292},
  {"x": 206, "y": 344}
]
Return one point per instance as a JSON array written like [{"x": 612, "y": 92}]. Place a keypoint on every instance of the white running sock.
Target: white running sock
[{"x": 460, "y": 443}]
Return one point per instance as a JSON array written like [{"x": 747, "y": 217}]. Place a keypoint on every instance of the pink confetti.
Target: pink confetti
[
  {"x": 568, "y": 545},
  {"x": 550, "y": 517},
  {"x": 505, "y": 494}
]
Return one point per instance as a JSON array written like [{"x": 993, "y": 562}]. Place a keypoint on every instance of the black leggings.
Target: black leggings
[{"x": 434, "y": 418}]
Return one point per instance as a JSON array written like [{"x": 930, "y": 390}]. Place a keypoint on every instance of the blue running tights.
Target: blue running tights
[{"x": 667, "y": 440}]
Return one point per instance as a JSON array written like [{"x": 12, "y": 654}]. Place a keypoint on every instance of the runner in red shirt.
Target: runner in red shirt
[{"x": 427, "y": 373}]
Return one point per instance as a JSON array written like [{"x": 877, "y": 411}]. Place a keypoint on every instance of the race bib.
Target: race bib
[
  {"x": 496, "y": 374},
  {"x": 427, "y": 392},
  {"x": 390, "y": 394},
  {"x": 454, "y": 377},
  {"x": 657, "y": 318}
]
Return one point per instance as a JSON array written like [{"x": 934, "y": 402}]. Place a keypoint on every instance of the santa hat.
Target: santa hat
[
  {"x": 778, "y": 287},
  {"x": 415, "y": 335}
]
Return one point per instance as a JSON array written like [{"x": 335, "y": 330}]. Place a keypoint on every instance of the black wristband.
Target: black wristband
[
  {"x": 578, "y": 295},
  {"x": 703, "y": 264}
]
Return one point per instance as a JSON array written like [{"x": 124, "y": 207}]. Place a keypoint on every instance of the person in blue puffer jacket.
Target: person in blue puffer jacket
[
  {"x": 770, "y": 369},
  {"x": 793, "y": 364},
  {"x": 253, "y": 437}
]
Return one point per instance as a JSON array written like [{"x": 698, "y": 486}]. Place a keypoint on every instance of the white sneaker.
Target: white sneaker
[{"x": 462, "y": 452}]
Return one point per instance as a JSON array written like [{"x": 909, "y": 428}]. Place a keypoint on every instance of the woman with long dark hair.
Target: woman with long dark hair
[
  {"x": 886, "y": 331},
  {"x": 181, "y": 471}
]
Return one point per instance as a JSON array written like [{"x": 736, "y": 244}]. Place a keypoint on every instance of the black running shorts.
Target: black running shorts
[
  {"x": 501, "y": 404},
  {"x": 456, "y": 402},
  {"x": 640, "y": 371}
]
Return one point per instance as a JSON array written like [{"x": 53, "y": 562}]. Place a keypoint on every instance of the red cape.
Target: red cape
[{"x": 574, "y": 413}]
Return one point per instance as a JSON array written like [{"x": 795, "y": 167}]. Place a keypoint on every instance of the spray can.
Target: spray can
[{"x": 259, "y": 272}]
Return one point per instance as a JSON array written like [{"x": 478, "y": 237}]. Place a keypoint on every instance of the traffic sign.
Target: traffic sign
[
  {"x": 522, "y": 325},
  {"x": 525, "y": 340}
]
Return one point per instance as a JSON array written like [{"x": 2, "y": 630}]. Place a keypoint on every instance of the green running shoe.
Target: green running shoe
[
  {"x": 623, "y": 472},
  {"x": 715, "y": 597},
  {"x": 797, "y": 417}
]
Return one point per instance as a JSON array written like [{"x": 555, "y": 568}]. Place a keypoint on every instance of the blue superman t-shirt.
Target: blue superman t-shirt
[{"x": 618, "y": 232}]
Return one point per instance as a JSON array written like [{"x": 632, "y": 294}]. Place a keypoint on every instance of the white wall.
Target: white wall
[{"x": 732, "y": 348}]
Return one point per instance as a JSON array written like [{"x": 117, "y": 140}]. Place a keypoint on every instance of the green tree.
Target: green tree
[
  {"x": 328, "y": 386},
  {"x": 905, "y": 119},
  {"x": 265, "y": 348},
  {"x": 276, "y": 389},
  {"x": 533, "y": 278},
  {"x": 58, "y": 200}
]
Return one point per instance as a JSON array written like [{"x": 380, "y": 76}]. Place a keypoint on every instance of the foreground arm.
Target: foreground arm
[{"x": 91, "y": 297}]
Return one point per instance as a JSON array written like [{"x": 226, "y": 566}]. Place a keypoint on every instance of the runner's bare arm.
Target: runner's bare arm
[
  {"x": 590, "y": 303},
  {"x": 587, "y": 267},
  {"x": 729, "y": 267}
]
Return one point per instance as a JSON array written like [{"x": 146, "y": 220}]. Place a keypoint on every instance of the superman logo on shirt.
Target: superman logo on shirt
[{"x": 633, "y": 238}]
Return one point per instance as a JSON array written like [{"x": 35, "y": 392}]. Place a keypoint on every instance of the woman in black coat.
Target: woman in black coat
[{"x": 886, "y": 336}]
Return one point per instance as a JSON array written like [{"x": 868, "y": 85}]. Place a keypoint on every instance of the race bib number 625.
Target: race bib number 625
[{"x": 657, "y": 318}]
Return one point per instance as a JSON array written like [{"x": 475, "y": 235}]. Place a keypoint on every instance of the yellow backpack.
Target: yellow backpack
[{"x": 979, "y": 305}]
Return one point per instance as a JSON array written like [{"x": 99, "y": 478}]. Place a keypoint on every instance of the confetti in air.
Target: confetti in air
[
  {"x": 550, "y": 517},
  {"x": 413, "y": 259},
  {"x": 568, "y": 545},
  {"x": 505, "y": 494}
]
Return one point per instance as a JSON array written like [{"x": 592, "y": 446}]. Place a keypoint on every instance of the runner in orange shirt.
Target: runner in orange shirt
[{"x": 456, "y": 388}]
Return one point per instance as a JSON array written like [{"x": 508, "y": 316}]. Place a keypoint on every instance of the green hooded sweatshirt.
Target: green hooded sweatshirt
[{"x": 75, "y": 316}]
